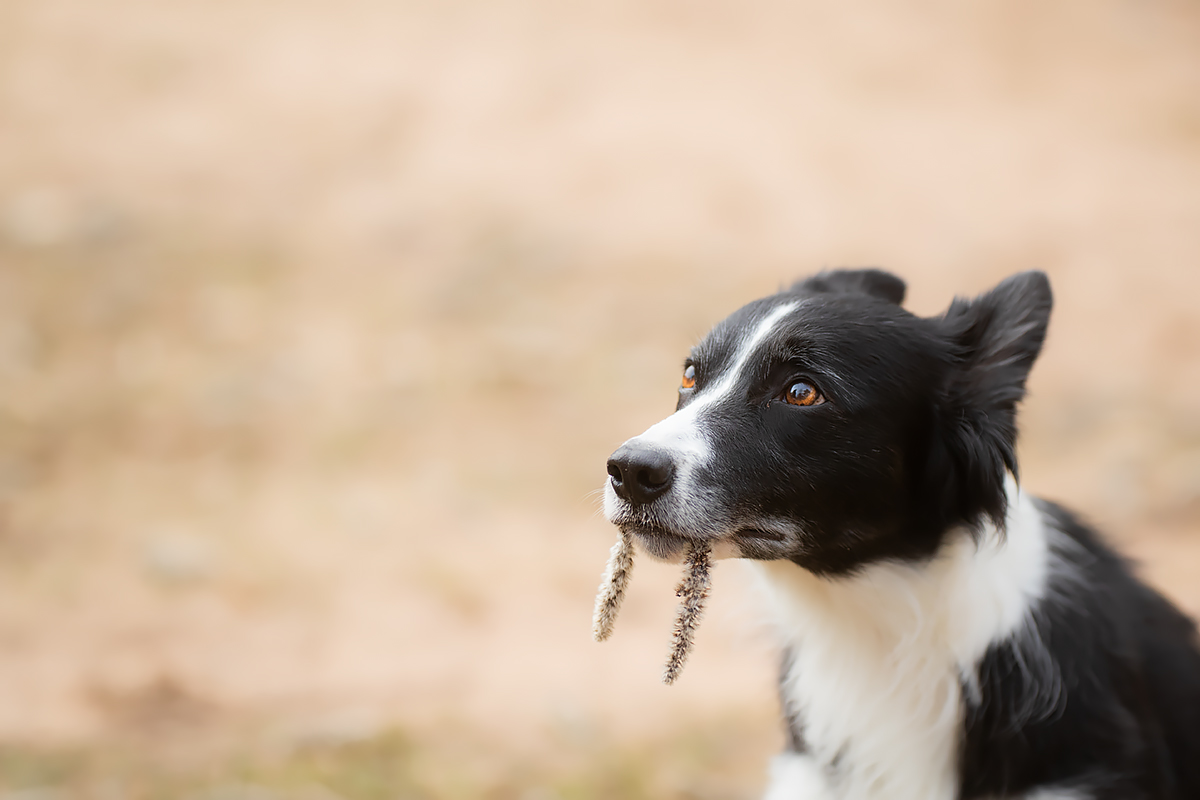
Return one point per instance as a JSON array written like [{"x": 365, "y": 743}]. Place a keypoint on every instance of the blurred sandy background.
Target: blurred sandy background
[{"x": 319, "y": 320}]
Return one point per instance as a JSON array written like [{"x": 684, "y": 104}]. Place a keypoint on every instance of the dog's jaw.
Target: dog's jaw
[
  {"x": 666, "y": 547},
  {"x": 769, "y": 539}
]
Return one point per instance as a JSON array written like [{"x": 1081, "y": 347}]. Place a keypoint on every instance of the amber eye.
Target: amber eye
[
  {"x": 803, "y": 393},
  {"x": 689, "y": 377}
]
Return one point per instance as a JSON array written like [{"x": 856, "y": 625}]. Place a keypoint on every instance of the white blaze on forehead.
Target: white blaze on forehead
[
  {"x": 680, "y": 433},
  {"x": 745, "y": 350}
]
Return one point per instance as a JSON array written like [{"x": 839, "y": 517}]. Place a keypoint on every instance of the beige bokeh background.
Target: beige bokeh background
[{"x": 318, "y": 321}]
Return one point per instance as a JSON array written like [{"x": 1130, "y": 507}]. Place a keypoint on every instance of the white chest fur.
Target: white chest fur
[{"x": 879, "y": 659}]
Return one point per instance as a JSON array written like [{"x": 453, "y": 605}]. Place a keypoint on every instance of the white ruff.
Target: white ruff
[{"x": 879, "y": 659}]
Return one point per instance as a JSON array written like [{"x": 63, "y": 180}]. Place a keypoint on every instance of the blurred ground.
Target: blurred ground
[{"x": 318, "y": 321}]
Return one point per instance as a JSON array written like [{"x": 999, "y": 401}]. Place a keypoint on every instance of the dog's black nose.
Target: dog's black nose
[{"x": 639, "y": 473}]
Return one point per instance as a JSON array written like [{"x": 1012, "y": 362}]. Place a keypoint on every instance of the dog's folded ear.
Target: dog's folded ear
[
  {"x": 996, "y": 338},
  {"x": 874, "y": 282}
]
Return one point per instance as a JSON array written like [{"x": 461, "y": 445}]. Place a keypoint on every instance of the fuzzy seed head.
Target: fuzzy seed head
[
  {"x": 612, "y": 587},
  {"x": 692, "y": 591}
]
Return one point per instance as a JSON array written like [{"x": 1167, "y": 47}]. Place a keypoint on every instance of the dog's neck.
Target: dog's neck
[
  {"x": 976, "y": 589},
  {"x": 879, "y": 659}
]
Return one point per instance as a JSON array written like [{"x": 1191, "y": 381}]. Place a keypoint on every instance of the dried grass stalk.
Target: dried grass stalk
[
  {"x": 612, "y": 587},
  {"x": 693, "y": 590}
]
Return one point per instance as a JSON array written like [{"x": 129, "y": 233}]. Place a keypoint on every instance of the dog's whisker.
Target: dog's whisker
[{"x": 594, "y": 494}]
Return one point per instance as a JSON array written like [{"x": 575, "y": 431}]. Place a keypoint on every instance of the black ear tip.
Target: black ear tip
[
  {"x": 1032, "y": 286},
  {"x": 885, "y": 285},
  {"x": 869, "y": 281}
]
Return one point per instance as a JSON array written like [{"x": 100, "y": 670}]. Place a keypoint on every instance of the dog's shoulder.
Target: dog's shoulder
[{"x": 1103, "y": 681}]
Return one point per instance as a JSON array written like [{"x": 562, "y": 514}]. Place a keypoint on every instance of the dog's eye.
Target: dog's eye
[
  {"x": 803, "y": 393},
  {"x": 689, "y": 377}
]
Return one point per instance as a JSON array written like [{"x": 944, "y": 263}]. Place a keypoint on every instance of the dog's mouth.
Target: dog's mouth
[
  {"x": 756, "y": 543},
  {"x": 763, "y": 544}
]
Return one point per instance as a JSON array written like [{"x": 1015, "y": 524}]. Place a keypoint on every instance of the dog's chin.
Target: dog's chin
[
  {"x": 661, "y": 546},
  {"x": 672, "y": 548}
]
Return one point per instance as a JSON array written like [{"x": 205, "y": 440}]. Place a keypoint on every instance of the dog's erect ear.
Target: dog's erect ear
[
  {"x": 997, "y": 336},
  {"x": 874, "y": 282}
]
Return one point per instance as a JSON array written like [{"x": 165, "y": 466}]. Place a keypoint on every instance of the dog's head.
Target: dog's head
[{"x": 827, "y": 425}]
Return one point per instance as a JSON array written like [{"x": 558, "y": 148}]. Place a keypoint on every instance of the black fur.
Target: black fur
[{"x": 874, "y": 282}]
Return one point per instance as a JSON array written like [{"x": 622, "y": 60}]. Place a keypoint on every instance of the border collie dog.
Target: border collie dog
[{"x": 944, "y": 634}]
